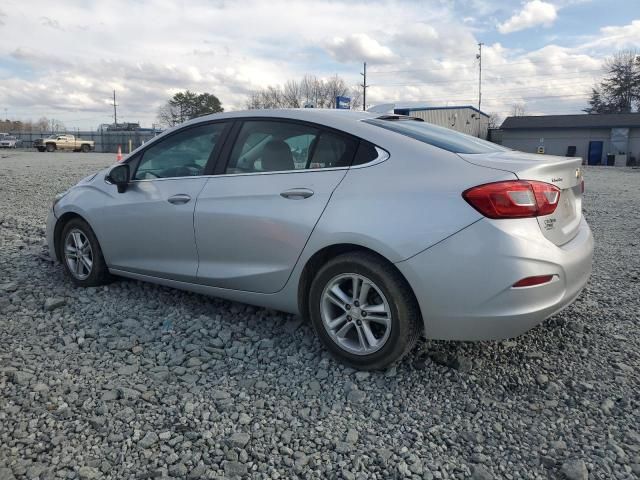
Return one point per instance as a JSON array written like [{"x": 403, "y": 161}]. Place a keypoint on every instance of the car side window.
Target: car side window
[
  {"x": 366, "y": 153},
  {"x": 332, "y": 151},
  {"x": 183, "y": 154},
  {"x": 274, "y": 146}
]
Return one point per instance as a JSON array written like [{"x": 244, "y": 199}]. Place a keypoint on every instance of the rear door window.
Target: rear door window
[{"x": 280, "y": 146}]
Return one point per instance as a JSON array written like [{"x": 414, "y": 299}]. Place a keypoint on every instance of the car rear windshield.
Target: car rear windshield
[{"x": 440, "y": 137}]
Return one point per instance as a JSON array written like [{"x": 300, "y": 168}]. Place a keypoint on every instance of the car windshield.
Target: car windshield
[{"x": 440, "y": 137}]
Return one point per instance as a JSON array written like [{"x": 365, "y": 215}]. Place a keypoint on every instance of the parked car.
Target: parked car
[
  {"x": 389, "y": 229},
  {"x": 63, "y": 142},
  {"x": 9, "y": 141}
]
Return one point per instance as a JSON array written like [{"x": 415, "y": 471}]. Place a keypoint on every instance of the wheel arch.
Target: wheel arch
[
  {"x": 319, "y": 258},
  {"x": 60, "y": 224}
]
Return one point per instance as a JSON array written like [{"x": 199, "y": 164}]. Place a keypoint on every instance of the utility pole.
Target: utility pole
[
  {"x": 115, "y": 112},
  {"x": 364, "y": 87},
  {"x": 479, "y": 57}
]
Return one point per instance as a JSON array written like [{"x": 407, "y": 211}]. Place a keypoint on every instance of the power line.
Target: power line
[
  {"x": 491, "y": 77},
  {"x": 471, "y": 100},
  {"x": 452, "y": 67},
  {"x": 516, "y": 89}
]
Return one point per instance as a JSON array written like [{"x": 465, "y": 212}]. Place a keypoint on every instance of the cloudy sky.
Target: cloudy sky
[{"x": 63, "y": 59}]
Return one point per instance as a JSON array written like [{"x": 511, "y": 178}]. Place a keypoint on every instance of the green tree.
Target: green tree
[
  {"x": 619, "y": 91},
  {"x": 186, "y": 105}
]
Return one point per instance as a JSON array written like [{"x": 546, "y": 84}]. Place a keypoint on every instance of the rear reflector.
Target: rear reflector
[
  {"x": 532, "y": 281},
  {"x": 514, "y": 199}
]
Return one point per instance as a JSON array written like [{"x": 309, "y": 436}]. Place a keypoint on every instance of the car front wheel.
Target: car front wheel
[
  {"x": 363, "y": 311},
  {"x": 81, "y": 255}
]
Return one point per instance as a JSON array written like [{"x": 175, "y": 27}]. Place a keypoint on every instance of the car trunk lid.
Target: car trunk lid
[{"x": 564, "y": 172}]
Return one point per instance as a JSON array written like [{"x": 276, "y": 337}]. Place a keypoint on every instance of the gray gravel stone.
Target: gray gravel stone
[
  {"x": 352, "y": 435},
  {"x": 89, "y": 473},
  {"x": 234, "y": 469},
  {"x": 150, "y": 439},
  {"x": 575, "y": 470},
  {"x": 238, "y": 439},
  {"x": 479, "y": 472},
  {"x": 356, "y": 396},
  {"x": 53, "y": 303}
]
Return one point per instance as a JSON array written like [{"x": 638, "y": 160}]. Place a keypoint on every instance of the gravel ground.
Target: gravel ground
[{"x": 134, "y": 380}]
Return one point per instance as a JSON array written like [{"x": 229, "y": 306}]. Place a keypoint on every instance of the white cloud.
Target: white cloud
[
  {"x": 420, "y": 51},
  {"x": 533, "y": 14},
  {"x": 359, "y": 47},
  {"x": 617, "y": 37}
]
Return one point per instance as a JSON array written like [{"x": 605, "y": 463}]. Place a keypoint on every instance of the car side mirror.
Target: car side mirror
[{"x": 119, "y": 176}]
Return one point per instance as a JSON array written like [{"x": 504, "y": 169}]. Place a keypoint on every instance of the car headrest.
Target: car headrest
[{"x": 276, "y": 156}]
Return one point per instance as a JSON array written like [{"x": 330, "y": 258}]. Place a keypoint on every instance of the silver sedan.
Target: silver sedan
[{"x": 379, "y": 229}]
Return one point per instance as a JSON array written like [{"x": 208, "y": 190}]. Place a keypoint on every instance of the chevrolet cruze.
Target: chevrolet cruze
[{"x": 378, "y": 228}]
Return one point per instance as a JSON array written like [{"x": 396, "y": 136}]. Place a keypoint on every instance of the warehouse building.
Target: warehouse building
[
  {"x": 465, "y": 119},
  {"x": 604, "y": 139}
]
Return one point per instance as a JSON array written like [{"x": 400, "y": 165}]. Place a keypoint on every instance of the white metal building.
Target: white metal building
[{"x": 465, "y": 119}]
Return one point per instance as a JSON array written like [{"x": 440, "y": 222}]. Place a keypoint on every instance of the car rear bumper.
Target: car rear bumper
[
  {"x": 51, "y": 227},
  {"x": 464, "y": 283}
]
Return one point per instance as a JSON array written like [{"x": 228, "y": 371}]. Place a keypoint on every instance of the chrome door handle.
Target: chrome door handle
[
  {"x": 297, "y": 193},
  {"x": 179, "y": 199}
]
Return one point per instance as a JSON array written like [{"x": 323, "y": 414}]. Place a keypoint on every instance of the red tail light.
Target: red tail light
[{"x": 514, "y": 199}]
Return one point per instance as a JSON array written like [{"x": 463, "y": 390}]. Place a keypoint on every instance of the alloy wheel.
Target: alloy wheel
[
  {"x": 78, "y": 254},
  {"x": 355, "y": 314}
]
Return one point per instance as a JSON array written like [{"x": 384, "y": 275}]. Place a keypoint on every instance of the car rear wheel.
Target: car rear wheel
[
  {"x": 363, "y": 311},
  {"x": 51, "y": 147},
  {"x": 82, "y": 256}
]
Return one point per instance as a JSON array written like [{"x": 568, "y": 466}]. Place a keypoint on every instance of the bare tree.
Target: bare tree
[
  {"x": 335, "y": 87},
  {"x": 494, "y": 120},
  {"x": 309, "y": 91},
  {"x": 42, "y": 125},
  {"x": 518, "y": 110},
  {"x": 291, "y": 94}
]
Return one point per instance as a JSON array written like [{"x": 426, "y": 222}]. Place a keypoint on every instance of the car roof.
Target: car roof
[
  {"x": 298, "y": 113},
  {"x": 340, "y": 119}
]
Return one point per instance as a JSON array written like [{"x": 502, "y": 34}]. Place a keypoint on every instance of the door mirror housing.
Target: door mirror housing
[{"x": 119, "y": 176}]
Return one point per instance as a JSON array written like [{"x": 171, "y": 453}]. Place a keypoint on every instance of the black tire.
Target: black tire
[
  {"x": 51, "y": 147},
  {"x": 406, "y": 321},
  {"x": 99, "y": 274},
  {"x": 85, "y": 148},
  {"x": 41, "y": 149}
]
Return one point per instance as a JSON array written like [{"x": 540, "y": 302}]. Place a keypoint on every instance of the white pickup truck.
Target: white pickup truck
[{"x": 63, "y": 142}]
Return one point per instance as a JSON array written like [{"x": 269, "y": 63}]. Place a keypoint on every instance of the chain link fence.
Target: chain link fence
[{"x": 105, "y": 142}]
